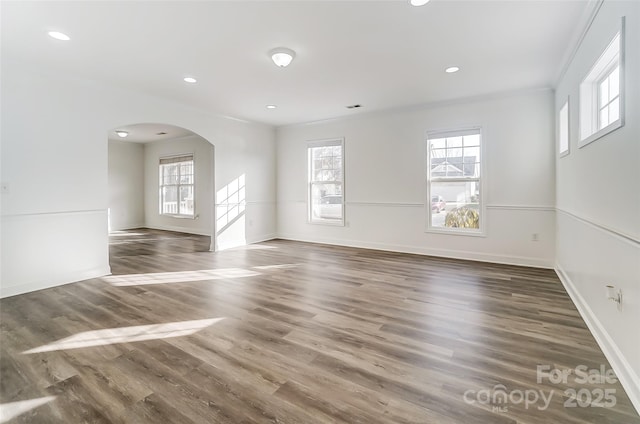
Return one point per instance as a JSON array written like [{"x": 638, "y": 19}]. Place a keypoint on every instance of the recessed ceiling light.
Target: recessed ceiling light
[
  {"x": 452, "y": 69},
  {"x": 161, "y": 133},
  {"x": 418, "y": 2},
  {"x": 353, "y": 106},
  {"x": 122, "y": 134},
  {"x": 190, "y": 80},
  {"x": 271, "y": 106},
  {"x": 59, "y": 36},
  {"x": 282, "y": 56}
]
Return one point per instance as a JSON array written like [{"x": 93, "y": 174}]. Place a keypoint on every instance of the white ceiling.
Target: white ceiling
[
  {"x": 381, "y": 54},
  {"x": 144, "y": 133}
]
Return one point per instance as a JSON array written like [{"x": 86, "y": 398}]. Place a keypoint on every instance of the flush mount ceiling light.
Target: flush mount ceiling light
[
  {"x": 452, "y": 69},
  {"x": 59, "y": 36},
  {"x": 190, "y": 80},
  {"x": 122, "y": 134},
  {"x": 282, "y": 56},
  {"x": 271, "y": 106},
  {"x": 418, "y": 2}
]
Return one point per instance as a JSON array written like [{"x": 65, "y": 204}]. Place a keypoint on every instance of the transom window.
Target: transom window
[
  {"x": 177, "y": 186},
  {"x": 453, "y": 181},
  {"x": 326, "y": 181}
]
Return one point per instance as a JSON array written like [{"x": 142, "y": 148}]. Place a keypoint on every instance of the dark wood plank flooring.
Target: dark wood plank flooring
[{"x": 288, "y": 332}]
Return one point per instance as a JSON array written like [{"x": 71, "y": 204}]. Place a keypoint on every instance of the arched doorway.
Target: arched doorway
[{"x": 161, "y": 180}]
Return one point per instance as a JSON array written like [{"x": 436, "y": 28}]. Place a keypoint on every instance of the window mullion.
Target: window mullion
[
  {"x": 448, "y": 183},
  {"x": 176, "y": 188},
  {"x": 179, "y": 176},
  {"x": 325, "y": 190}
]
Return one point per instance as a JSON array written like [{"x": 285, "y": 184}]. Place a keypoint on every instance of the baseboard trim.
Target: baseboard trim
[
  {"x": 260, "y": 239},
  {"x": 628, "y": 378},
  {"x": 128, "y": 227},
  {"x": 442, "y": 253},
  {"x": 53, "y": 282}
]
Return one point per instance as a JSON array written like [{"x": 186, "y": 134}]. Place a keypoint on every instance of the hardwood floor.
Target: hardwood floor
[{"x": 288, "y": 332}]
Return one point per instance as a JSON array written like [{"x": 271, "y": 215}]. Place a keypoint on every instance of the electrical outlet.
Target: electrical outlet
[{"x": 535, "y": 237}]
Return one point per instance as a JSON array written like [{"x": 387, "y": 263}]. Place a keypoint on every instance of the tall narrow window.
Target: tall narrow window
[
  {"x": 326, "y": 181},
  {"x": 177, "y": 186},
  {"x": 602, "y": 93},
  {"x": 563, "y": 130},
  {"x": 453, "y": 181}
]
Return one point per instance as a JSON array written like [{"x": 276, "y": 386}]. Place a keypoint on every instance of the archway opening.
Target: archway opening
[{"x": 161, "y": 190}]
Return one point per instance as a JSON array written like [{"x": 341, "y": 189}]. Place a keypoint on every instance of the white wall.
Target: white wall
[
  {"x": 126, "y": 185},
  {"x": 385, "y": 171},
  {"x": 598, "y": 200},
  {"x": 54, "y": 160}
]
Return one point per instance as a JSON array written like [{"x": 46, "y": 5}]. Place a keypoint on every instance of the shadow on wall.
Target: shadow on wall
[{"x": 230, "y": 214}]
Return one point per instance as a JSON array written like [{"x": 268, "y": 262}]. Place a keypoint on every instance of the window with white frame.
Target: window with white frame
[
  {"x": 563, "y": 129},
  {"x": 609, "y": 98},
  {"x": 326, "y": 181},
  {"x": 602, "y": 93},
  {"x": 177, "y": 186},
  {"x": 454, "y": 181}
]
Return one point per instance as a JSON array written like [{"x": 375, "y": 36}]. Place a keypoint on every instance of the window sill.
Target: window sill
[
  {"x": 451, "y": 232},
  {"x": 180, "y": 216},
  {"x": 602, "y": 132},
  {"x": 326, "y": 222}
]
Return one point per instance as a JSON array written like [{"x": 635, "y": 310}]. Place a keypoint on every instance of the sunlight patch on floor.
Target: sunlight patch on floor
[
  {"x": 10, "y": 410},
  {"x": 136, "y": 333},
  {"x": 252, "y": 247},
  {"x": 125, "y": 234},
  {"x": 281, "y": 266},
  {"x": 178, "y": 276}
]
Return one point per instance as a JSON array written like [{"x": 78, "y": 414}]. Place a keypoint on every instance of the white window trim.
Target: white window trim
[
  {"x": 338, "y": 141},
  {"x": 606, "y": 77},
  {"x": 480, "y": 232},
  {"x": 589, "y": 96},
  {"x": 567, "y": 132},
  {"x": 160, "y": 185}
]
